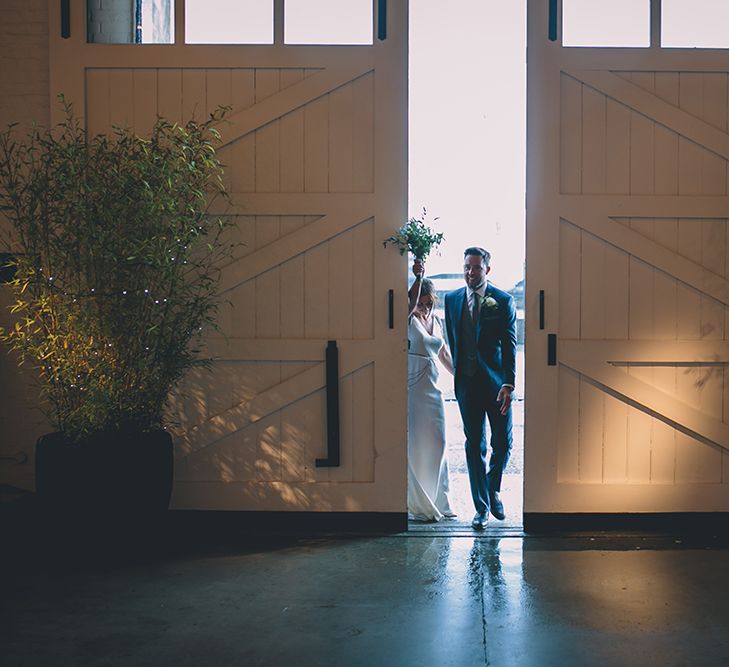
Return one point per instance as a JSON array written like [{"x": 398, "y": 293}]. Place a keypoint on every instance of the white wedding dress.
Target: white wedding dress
[{"x": 427, "y": 464}]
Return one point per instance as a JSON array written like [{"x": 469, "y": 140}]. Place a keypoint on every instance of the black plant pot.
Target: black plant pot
[{"x": 111, "y": 474}]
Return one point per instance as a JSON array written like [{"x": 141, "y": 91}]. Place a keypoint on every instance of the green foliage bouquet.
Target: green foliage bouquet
[
  {"x": 416, "y": 237},
  {"x": 116, "y": 264}
]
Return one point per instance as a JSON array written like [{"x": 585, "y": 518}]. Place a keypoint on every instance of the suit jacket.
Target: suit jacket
[{"x": 495, "y": 333}]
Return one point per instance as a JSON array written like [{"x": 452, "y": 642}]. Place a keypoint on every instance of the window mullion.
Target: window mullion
[{"x": 656, "y": 24}]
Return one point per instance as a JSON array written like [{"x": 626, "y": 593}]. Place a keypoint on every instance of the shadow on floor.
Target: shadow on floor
[{"x": 187, "y": 594}]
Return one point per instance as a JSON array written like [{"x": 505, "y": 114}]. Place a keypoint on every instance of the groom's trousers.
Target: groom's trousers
[{"x": 477, "y": 401}]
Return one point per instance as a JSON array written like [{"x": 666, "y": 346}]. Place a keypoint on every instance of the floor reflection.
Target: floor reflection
[{"x": 496, "y": 574}]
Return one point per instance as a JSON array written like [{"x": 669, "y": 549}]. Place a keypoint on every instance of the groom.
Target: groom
[{"x": 481, "y": 330}]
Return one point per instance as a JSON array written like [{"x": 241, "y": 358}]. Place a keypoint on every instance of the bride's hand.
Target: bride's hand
[{"x": 419, "y": 268}]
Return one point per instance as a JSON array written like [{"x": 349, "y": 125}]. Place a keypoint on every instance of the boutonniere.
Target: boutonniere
[{"x": 489, "y": 303}]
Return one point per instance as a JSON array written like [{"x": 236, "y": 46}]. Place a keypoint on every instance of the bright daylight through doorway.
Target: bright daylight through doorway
[{"x": 467, "y": 162}]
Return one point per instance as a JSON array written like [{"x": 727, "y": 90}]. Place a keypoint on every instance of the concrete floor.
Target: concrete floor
[
  {"x": 436, "y": 595},
  {"x": 408, "y": 599}
]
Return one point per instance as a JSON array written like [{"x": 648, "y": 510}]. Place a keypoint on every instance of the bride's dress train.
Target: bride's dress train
[{"x": 427, "y": 463}]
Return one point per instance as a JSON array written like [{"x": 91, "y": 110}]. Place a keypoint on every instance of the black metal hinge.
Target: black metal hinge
[
  {"x": 65, "y": 19},
  {"x": 382, "y": 20},
  {"x": 552, "y": 20}
]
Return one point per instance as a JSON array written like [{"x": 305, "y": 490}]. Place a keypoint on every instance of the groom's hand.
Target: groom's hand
[{"x": 504, "y": 397}]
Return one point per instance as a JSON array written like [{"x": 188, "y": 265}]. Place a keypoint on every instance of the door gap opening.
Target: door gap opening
[{"x": 467, "y": 164}]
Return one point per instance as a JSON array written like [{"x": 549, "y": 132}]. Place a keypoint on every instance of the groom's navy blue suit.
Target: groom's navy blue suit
[{"x": 484, "y": 355}]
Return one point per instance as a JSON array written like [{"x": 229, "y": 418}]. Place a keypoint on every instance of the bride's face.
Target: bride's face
[{"x": 425, "y": 306}]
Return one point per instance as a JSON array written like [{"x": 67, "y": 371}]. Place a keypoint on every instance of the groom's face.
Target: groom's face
[{"x": 475, "y": 271}]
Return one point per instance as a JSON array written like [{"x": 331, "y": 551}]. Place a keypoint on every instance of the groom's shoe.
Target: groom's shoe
[
  {"x": 479, "y": 521},
  {"x": 496, "y": 506}
]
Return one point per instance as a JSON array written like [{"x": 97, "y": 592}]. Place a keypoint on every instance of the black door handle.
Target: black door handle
[
  {"x": 551, "y": 349},
  {"x": 332, "y": 392},
  {"x": 541, "y": 309}
]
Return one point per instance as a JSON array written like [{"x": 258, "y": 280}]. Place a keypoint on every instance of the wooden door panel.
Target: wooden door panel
[
  {"x": 633, "y": 191},
  {"x": 335, "y": 303},
  {"x": 609, "y": 145},
  {"x": 332, "y": 134},
  {"x": 316, "y": 185}
]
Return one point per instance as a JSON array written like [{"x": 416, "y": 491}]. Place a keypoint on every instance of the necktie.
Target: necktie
[{"x": 474, "y": 306}]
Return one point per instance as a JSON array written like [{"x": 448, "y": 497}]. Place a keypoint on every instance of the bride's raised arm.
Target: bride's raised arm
[{"x": 414, "y": 291}]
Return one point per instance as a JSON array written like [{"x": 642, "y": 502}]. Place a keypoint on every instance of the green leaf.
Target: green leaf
[{"x": 416, "y": 237}]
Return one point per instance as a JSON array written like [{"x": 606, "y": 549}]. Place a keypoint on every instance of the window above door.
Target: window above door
[
  {"x": 313, "y": 22},
  {"x": 685, "y": 24},
  {"x": 596, "y": 23},
  {"x": 695, "y": 24}
]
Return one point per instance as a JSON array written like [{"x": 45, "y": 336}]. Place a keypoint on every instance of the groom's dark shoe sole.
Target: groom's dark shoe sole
[
  {"x": 479, "y": 521},
  {"x": 496, "y": 507}
]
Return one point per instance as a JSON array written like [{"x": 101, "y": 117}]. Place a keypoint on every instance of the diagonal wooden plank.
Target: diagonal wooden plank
[
  {"x": 289, "y": 99},
  {"x": 660, "y": 257},
  {"x": 648, "y": 352},
  {"x": 271, "y": 400},
  {"x": 286, "y": 247},
  {"x": 257, "y": 408},
  {"x": 652, "y": 401},
  {"x": 655, "y": 108}
]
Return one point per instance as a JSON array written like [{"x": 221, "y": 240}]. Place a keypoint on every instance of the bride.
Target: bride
[{"x": 427, "y": 464}]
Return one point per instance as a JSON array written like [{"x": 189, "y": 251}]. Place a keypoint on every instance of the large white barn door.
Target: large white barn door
[
  {"x": 315, "y": 155},
  {"x": 627, "y": 236}
]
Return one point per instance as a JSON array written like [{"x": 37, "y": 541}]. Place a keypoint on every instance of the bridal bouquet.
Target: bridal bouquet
[{"x": 416, "y": 237}]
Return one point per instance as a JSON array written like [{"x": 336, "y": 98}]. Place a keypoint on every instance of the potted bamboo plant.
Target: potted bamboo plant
[{"x": 116, "y": 261}]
